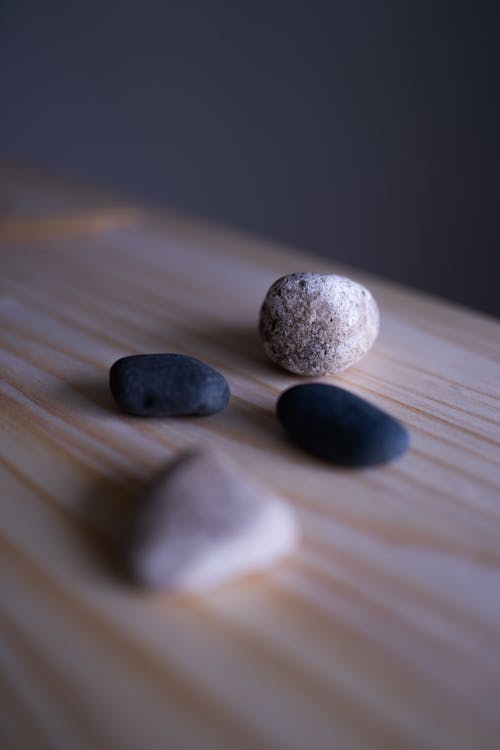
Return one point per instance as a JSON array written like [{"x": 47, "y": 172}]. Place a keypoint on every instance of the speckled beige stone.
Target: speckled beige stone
[
  {"x": 315, "y": 323},
  {"x": 205, "y": 522}
]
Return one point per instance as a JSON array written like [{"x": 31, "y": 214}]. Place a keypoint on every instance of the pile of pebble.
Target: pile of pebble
[{"x": 204, "y": 522}]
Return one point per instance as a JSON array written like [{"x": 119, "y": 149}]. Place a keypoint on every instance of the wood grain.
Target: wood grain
[{"x": 382, "y": 631}]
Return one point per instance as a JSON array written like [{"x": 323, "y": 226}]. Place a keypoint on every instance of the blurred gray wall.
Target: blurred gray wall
[{"x": 368, "y": 131}]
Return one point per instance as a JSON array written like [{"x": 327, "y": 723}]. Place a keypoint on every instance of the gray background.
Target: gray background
[{"x": 367, "y": 131}]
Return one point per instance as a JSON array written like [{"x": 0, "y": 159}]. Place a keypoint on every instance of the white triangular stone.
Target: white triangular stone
[{"x": 204, "y": 523}]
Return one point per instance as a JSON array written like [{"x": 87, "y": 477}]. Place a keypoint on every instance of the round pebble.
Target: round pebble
[
  {"x": 204, "y": 523},
  {"x": 165, "y": 385},
  {"x": 339, "y": 427},
  {"x": 316, "y": 323}
]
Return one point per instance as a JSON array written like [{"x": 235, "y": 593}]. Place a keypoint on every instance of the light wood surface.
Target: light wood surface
[{"x": 381, "y": 632}]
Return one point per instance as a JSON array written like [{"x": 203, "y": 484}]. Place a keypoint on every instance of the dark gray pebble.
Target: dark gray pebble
[
  {"x": 339, "y": 427},
  {"x": 166, "y": 385}
]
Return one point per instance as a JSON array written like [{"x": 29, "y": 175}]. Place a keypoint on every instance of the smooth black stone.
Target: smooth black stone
[
  {"x": 166, "y": 385},
  {"x": 339, "y": 427}
]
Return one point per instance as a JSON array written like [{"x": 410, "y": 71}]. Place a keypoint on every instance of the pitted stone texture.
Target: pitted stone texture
[
  {"x": 315, "y": 323},
  {"x": 203, "y": 523}
]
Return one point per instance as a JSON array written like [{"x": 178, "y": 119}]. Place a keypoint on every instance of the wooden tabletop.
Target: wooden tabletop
[{"x": 381, "y": 632}]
